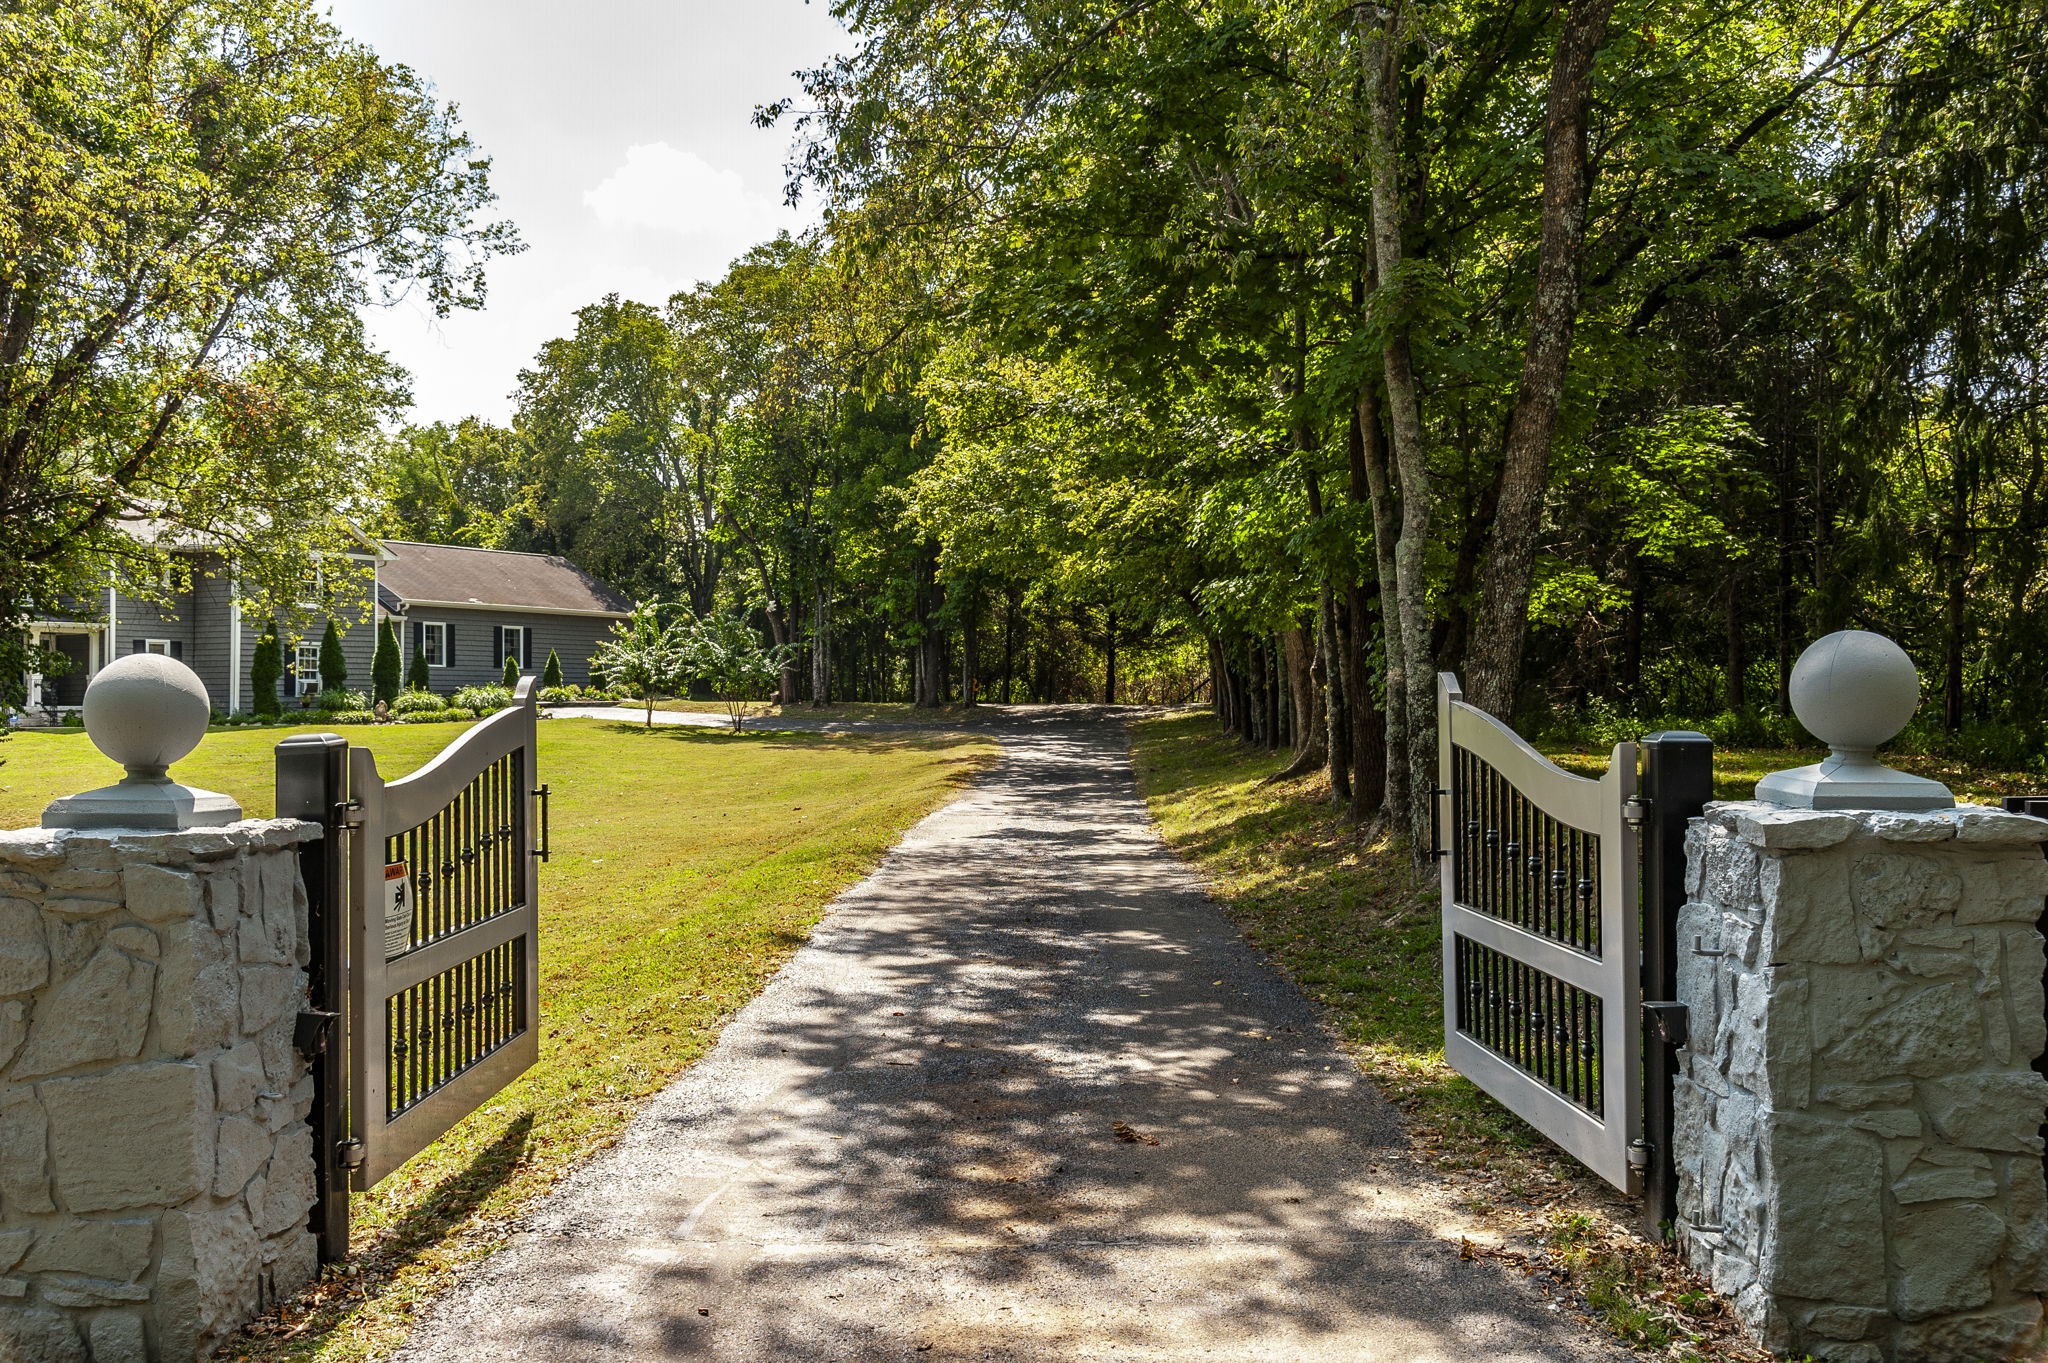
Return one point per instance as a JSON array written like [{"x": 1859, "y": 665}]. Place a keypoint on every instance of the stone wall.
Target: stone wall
[
  {"x": 156, "y": 1166},
  {"x": 1857, "y": 1119}
]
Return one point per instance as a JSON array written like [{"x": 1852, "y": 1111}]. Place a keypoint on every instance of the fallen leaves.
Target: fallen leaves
[{"x": 1130, "y": 1135}]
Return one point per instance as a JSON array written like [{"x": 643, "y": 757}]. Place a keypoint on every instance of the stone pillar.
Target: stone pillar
[
  {"x": 156, "y": 1166},
  {"x": 1857, "y": 1119}
]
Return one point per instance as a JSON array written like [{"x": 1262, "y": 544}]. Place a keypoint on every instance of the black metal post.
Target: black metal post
[
  {"x": 312, "y": 784},
  {"x": 2037, "y": 806},
  {"x": 1678, "y": 780}
]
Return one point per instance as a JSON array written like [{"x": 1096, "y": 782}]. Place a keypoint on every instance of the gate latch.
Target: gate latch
[
  {"x": 312, "y": 1032},
  {"x": 1670, "y": 1021}
]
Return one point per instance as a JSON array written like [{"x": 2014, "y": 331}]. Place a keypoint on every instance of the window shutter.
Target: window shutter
[
  {"x": 498, "y": 645},
  {"x": 448, "y": 643},
  {"x": 138, "y": 645},
  {"x": 178, "y": 650},
  {"x": 526, "y": 648},
  {"x": 419, "y": 637}
]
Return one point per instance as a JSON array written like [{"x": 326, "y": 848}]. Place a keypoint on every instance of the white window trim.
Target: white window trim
[
  {"x": 160, "y": 647},
  {"x": 438, "y": 631},
  {"x": 308, "y": 685},
  {"x": 505, "y": 636}
]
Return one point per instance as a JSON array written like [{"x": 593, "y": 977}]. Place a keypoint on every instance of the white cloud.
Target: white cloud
[{"x": 680, "y": 192}]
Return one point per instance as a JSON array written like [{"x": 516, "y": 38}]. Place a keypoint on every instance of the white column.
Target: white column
[{"x": 234, "y": 643}]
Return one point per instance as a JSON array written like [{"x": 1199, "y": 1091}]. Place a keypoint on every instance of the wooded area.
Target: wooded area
[{"x": 1270, "y": 354}]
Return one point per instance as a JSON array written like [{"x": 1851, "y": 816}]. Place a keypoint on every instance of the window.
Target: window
[
  {"x": 306, "y": 668},
  {"x": 162, "y": 647},
  {"x": 434, "y": 643},
  {"x": 514, "y": 646}
]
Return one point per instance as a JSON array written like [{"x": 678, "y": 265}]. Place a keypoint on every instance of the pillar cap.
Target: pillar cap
[
  {"x": 145, "y": 711},
  {"x": 1854, "y": 690}
]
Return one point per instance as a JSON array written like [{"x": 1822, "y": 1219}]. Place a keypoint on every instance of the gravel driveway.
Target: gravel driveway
[{"x": 1025, "y": 1096}]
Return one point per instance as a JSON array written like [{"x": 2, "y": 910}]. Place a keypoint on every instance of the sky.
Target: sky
[{"x": 622, "y": 144}]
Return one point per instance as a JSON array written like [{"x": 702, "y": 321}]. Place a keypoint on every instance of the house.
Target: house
[{"x": 465, "y": 609}]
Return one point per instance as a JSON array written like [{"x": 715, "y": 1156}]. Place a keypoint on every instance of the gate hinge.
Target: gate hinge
[
  {"x": 350, "y": 1154},
  {"x": 1671, "y": 1020},
  {"x": 342, "y": 810},
  {"x": 1639, "y": 1153},
  {"x": 1635, "y": 811},
  {"x": 313, "y": 1031}
]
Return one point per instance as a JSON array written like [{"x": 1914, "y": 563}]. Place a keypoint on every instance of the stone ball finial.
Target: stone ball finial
[
  {"x": 146, "y": 711},
  {"x": 1854, "y": 690}
]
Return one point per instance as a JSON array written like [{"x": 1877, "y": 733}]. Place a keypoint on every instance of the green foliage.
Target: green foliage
[
  {"x": 340, "y": 698},
  {"x": 726, "y": 654},
  {"x": 417, "y": 702},
  {"x": 510, "y": 677},
  {"x": 557, "y": 695},
  {"x": 551, "y": 673},
  {"x": 333, "y": 661},
  {"x": 418, "y": 676},
  {"x": 645, "y": 657},
  {"x": 199, "y": 200},
  {"x": 385, "y": 666},
  {"x": 352, "y": 717},
  {"x": 266, "y": 670},
  {"x": 482, "y": 699}
]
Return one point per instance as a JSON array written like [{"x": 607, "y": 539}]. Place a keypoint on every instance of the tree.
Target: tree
[
  {"x": 385, "y": 667},
  {"x": 333, "y": 662},
  {"x": 551, "y": 673},
  {"x": 266, "y": 669},
  {"x": 197, "y": 200},
  {"x": 509, "y": 678},
  {"x": 726, "y": 654},
  {"x": 644, "y": 656},
  {"x": 417, "y": 677}
]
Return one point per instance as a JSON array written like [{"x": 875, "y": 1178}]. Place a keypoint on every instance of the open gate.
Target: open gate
[
  {"x": 425, "y": 949},
  {"x": 1542, "y": 991}
]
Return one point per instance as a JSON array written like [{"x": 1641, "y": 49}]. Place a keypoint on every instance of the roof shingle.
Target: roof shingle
[{"x": 459, "y": 575}]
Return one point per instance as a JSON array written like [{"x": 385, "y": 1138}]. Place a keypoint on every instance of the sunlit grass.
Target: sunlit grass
[{"x": 688, "y": 864}]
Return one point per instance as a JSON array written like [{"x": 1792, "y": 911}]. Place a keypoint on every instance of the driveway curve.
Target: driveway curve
[{"x": 1024, "y": 1097}]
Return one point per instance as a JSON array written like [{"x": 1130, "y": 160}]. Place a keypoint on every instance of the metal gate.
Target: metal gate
[
  {"x": 444, "y": 895},
  {"x": 1542, "y": 993},
  {"x": 424, "y": 936}
]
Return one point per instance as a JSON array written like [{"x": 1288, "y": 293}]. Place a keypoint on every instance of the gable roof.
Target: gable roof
[{"x": 456, "y": 575}]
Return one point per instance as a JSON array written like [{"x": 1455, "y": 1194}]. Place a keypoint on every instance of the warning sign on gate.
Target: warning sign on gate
[{"x": 397, "y": 910}]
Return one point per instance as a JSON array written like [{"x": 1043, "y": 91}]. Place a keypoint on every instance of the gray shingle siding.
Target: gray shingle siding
[{"x": 574, "y": 637}]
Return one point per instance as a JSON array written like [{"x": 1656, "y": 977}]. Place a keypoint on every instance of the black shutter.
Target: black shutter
[
  {"x": 448, "y": 643},
  {"x": 419, "y": 637},
  {"x": 526, "y": 648},
  {"x": 178, "y": 650},
  {"x": 138, "y": 646},
  {"x": 497, "y": 645}
]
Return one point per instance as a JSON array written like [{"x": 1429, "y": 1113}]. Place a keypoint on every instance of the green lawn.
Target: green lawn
[
  {"x": 1348, "y": 918},
  {"x": 688, "y": 864}
]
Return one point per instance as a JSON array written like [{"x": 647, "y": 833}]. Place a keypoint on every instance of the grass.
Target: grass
[
  {"x": 887, "y": 712},
  {"x": 1737, "y": 770},
  {"x": 688, "y": 864},
  {"x": 1344, "y": 914}
]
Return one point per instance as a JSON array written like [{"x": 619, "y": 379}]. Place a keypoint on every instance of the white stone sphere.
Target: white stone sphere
[
  {"x": 1855, "y": 689},
  {"x": 146, "y": 711}
]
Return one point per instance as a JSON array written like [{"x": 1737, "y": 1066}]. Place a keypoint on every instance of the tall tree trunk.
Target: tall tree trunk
[
  {"x": 1495, "y": 666},
  {"x": 1311, "y": 739},
  {"x": 1369, "y": 469},
  {"x": 1415, "y": 681},
  {"x": 821, "y": 647},
  {"x": 1009, "y": 639},
  {"x": 1109, "y": 656},
  {"x": 928, "y": 660},
  {"x": 1738, "y": 660},
  {"x": 970, "y": 646}
]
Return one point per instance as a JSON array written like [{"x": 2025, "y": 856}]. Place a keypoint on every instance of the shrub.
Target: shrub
[
  {"x": 426, "y": 717},
  {"x": 557, "y": 695},
  {"x": 353, "y": 717},
  {"x": 416, "y": 675},
  {"x": 265, "y": 671},
  {"x": 386, "y": 666},
  {"x": 510, "y": 677},
  {"x": 333, "y": 662},
  {"x": 457, "y": 712},
  {"x": 340, "y": 698},
  {"x": 483, "y": 698},
  {"x": 417, "y": 702},
  {"x": 551, "y": 673}
]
